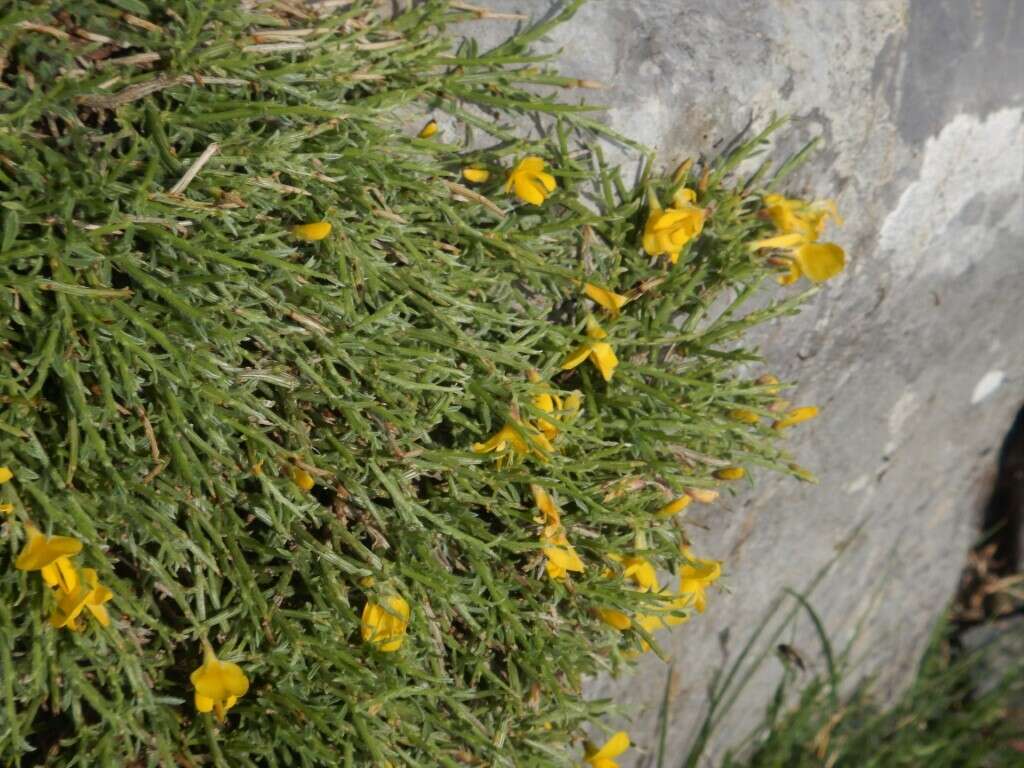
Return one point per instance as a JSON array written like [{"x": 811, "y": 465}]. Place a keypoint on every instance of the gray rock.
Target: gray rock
[{"x": 915, "y": 354}]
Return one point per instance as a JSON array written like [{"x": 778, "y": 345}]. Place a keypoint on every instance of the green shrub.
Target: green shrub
[{"x": 178, "y": 367}]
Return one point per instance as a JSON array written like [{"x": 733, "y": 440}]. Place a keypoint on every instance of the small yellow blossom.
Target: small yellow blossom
[
  {"x": 385, "y": 626},
  {"x": 805, "y": 258},
  {"x": 5, "y": 475},
  {"x": 561, "y": 555},
  {"x": 744, "y": 415},
  {"x": 61, "y": 574},
  {"x": 90, "y": 594},
  {"x": 313, "y": 231},
  {"x": 476, "y": 175},
  {"x": 428, "y": 130},
  {"x": 730, "y": 473},
  {"x": 605, "y": 756},
  {"x": 219, "y": 684},
  {"x": 640, "y": 571},
  {"x": 302, "y": 478},
  {"x": 799, "y": 216},
  {"x": 609, "y": 300},
  {"x": 695, "y": 577},
  {"x": 510, "y": 437},
  {"x": 530, "y": 182},
  {"x": 596, "y": 349},
  {"x": 43, "y": 551},
  {"x": 614, "y": 618},
  {"x": 6, "y": 509},
  {"x": 667, "y": 231},
  {"x": 551, "y": 403},
  {"x": 796, "y": 416},
  {"x": 675, "y": 507}
]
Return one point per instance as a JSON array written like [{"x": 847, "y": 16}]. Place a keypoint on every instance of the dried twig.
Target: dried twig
[
  {"x": 476, "y": 197},
  {"x": 194, "y": 169}
]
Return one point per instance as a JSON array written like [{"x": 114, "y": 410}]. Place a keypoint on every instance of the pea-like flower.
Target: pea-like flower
[
  {"x": 5, "y": 475},
  {"x": 668, "y": 230},
  {"x": 88, "y": 594},
  {"x": 604, "y": 757},
  {"x": 800, "y": 225},
  {"x": 561, "y": 555},
  {"x": 219, "y": 684},
  {"x": 302, "y": 479},
  {"x": 509, "y": 442},
  {"x": 384, "y": 625},
  {"x": 316, "y": 230},
  {"x": 530, "y": 182},
  {"x": 598, "y": 351},
  {"x": 695, "y": 577}
]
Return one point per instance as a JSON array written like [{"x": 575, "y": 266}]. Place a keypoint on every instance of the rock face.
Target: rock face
[{"x": 915, "y": 354}]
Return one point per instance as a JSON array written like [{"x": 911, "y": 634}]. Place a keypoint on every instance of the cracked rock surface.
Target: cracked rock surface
[{"x": 915, "y": 354}]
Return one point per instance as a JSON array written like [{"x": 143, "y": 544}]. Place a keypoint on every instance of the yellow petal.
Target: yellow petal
[
  {"x": 531, "y": 164},
  {"x": 428, "y": 130},
  {"x": 203, "y": 703},
  {"x": 730, "y": 473},
  {"x": 613, "y": 618},
  {"x": 820, "y": 261},
  {"x": 5, "y": 475},
  {"x": 615, "y": 746},
  {"x": 778, "y": 241},
  {"x": 476, "y": 175},
  {"x": 791, "y": 275},
  {"x": 546, "y": 180},
  {"x": 316, "y": 230},
  {"x": 609, "y": 300},
  {"x": 40, "y": 551},
  {"x": 796, "y": 416},
  {"x": 576, "y": 357},
  {"x": 527, "y": 190},
  {"x": 6, "y": 509},
  {"x": 684, "y": 197},
  {"x": 603, "y": 356},
  {"x": 674, "y": 507}
]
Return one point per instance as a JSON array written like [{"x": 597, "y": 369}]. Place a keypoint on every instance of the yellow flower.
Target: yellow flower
[
  {"x": 91, "y": 595},
  {"x": 549, "y": 403},
  {"x": 745, "y": 415},
  {"x": 5, "y": 475},
  {"x": 302, "y": 478},
  {"x": 674, "y": 507},
  {"x": 799, "y": 216},
  {"x": 42, "y": 552},
  {"x": 385, "y": 626},
  {"x": 60, "y": 574},
  {"x": 609, "y": 300},
  {"x": 529, "y": 181},
  {"x": 561, "y": 555},
  {"x": 510, "y": 437},
  {"x": 615, "y": 619},
  {"x": 6, "y": 509},
  {"x": 219, "y": 684},
  {"x": 476, "y": 175},
  {"x": 695, "y": 577},
  {"x": 639, "y": 569},
  {"x": 598, "y": 351},
  {"x": 428, "y": 130},
  {"x": 730, "y": 473},
  {"x": 667, "y": 231},
  {"x": 605, "y": 756},
  {"x": 796, "y": 416},
  {"x": 313, "y": 231},
  {"x": 805, "y": 258}
]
